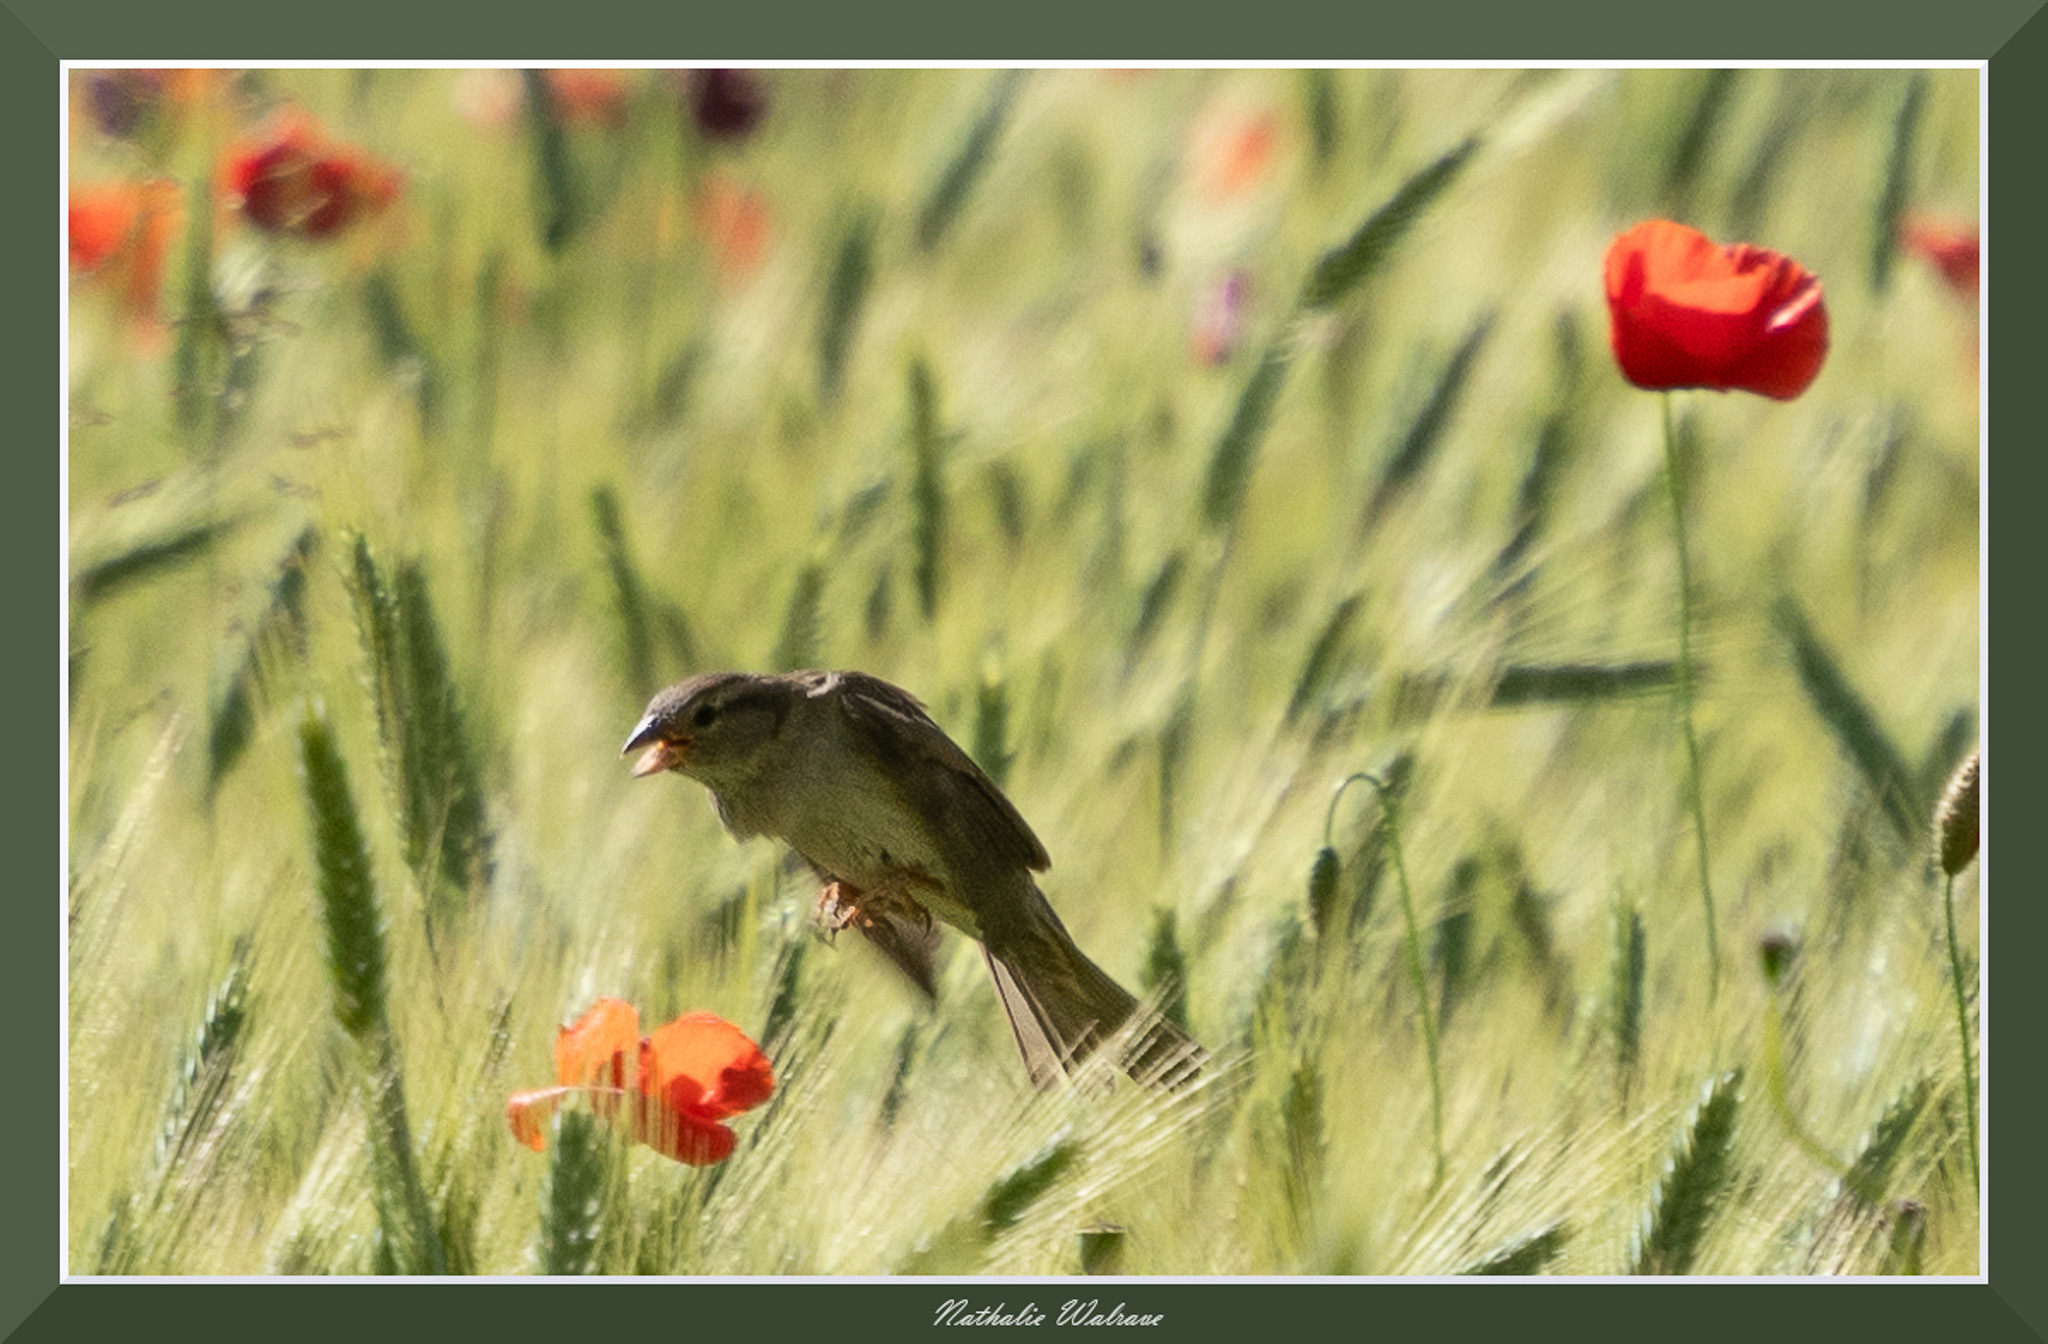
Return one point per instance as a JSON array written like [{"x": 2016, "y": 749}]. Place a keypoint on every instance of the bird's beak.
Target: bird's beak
[{"x": 661, "y": 753}]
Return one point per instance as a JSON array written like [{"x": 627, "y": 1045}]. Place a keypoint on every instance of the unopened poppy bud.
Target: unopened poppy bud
[
  {"x": 1955, "y": 819},
  {"x": 1774, "y": 953},
  {"x": 1322, "y": 890},
  {"x": 726, "y": 104}
]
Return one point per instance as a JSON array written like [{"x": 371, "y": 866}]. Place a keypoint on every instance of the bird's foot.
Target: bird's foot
[{"x": 839, "y": 906}]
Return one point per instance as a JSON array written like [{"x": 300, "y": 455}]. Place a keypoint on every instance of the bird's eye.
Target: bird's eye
[{"x": 704, "y": 715}]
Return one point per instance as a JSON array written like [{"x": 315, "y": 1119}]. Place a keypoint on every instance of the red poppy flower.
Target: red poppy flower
[
  {"x": 1687, "y": 312},
  {"x": 589, "y": 97},
  {"x": 1950, "y": 245},
  {"x": 1234, "y": 151},
  {"x": 681, "y": 1081},
  {"x": 292, "y": 181},
  {"x": 735, "y": 223},
  {"x": 119, "y": 233}
]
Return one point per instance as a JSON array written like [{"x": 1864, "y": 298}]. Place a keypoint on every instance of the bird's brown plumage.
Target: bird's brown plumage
[{"x": 902, "y": 826}]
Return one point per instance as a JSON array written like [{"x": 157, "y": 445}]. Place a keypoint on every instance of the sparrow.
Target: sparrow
[{"x": 903, "y": 829}]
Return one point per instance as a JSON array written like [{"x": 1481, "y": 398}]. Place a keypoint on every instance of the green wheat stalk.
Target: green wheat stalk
[
  {"x": 1012, "y": 1195},
  {"x": 148, "y": 558},
  {"x": 629, "y": 593},
  {"x": 280, "y": 625},
  {"x": 1898, "y": 183},
  {"x": 356, "y": 960},
  {"x": 430, "y": 759},
  {"x": 1850, "y": 718},
  {"x": 1696, "y": 1181},
  {"x": 846, "y": 292},
  {"x": 797, "y": 646},
  {"x": 942, "y": 205},
  {"x": 577, "y": 1202},
  {"x": 1525, "y": 1255},
  {"x": 1625, "y": 991},
  {"x": 1164, "y": 978},
  {"x": 927, "y": 489}
]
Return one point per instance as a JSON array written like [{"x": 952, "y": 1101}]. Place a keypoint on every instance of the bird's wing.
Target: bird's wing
[{"x": 957, "y": 796}]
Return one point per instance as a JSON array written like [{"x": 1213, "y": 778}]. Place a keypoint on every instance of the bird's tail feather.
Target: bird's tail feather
[{"x": 1063, "y": 1008}]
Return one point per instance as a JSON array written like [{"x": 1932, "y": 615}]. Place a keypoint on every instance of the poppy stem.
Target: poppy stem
[
  {"x": 1390, "y": 800},
  {"x": 1694, "y": 793},
  {"x": 1781, "y": 1095},
  {"x": 1955, "y": 965}
]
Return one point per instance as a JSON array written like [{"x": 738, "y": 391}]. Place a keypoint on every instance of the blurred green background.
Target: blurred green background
[{"x": 1012, "y": 388}]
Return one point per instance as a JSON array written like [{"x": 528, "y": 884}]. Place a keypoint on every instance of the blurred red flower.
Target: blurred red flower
[
  {"x": 681, "y": 1082},
  {"x": 589, "y": 97},
  {"x": 292, "y": 180},
  {"x": 735, "y": 223},
  {"x": 1687, "y": 312},
  {"x": 119, "y": 234},
  {"x": 1234, "y": 152},
  {"x": 1951, "y": 246}
]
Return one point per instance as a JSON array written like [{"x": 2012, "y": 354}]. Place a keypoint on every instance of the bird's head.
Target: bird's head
[{"x": 710, "y": 727}]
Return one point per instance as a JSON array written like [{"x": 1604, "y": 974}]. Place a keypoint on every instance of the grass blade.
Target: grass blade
[
  {"x": 1574, "y": 683},
  {"x": 147, "y": 559}
]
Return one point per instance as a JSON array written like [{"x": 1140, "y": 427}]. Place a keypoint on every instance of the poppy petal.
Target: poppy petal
[
  {"x": 704, "y": 1065},
  {"x": 591, "y": 1050},
  {"x": 687, "y": 1139},
  {"x": 529, "y": 1113}
]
